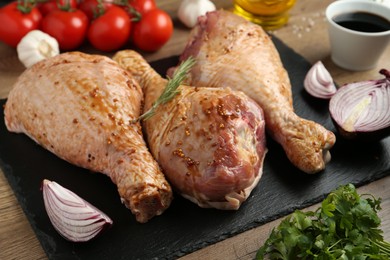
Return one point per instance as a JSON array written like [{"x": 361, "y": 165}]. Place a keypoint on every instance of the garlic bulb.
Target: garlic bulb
[
  {"x": 319, "y": 83},
  {"x": 190, "y": 10},
  {"x": 36, "y": 46},
  {"x": 74, "y": 218}
]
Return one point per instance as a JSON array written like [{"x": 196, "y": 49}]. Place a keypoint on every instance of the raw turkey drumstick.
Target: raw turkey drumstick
[
  {"x": 209, "y": 142},
  {"x": 232, "y": 52},
  {"x": 78, "y": 106}
]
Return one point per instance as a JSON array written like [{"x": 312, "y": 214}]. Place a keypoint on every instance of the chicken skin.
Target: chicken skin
[
  {"x": 209, "y": 142},
  {"x": 232, "y": 52},
  {"x": 78, "y": 106}
]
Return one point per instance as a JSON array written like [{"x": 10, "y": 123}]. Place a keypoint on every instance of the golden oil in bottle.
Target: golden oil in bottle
[{"x": 270, "y": 14}]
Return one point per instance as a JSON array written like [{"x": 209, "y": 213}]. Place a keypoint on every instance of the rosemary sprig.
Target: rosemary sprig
[{"x": 170, "y": 90}]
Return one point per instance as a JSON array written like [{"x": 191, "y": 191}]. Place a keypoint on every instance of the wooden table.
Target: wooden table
[{"x": 306, "y": 33}]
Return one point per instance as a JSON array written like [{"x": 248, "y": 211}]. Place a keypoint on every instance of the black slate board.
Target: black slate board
[{"x": 184, "y": 227}]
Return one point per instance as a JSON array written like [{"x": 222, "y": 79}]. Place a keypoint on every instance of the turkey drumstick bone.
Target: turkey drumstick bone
[
  {"x": 232, "y": 52},
  {"x": 210, "y": 142},
  {"x": 77, "y": 106}
]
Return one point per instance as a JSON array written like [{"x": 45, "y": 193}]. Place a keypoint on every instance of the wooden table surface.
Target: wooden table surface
[{"x": 306, "y": 33}]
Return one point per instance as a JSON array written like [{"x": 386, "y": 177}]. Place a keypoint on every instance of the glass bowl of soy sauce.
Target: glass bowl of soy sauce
[{"x": 359, "y": 33}]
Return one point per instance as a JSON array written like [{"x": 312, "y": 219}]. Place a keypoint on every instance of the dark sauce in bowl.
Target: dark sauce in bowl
[{"x": 363, "y": 22}]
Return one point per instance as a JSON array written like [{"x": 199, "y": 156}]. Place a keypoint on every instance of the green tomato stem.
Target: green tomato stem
[
  {"x": 136, "y": 16},
  {"x": 65, "y": 7},
  {"x": 25, "y": 6}
]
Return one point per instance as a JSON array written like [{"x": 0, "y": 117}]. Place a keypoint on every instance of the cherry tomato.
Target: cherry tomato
[
  {"x": 15, "y": 24},
  {"x": 90, "y": 7},
  {"x": 143, "y": 6},
  {"x": 68, "y": 27},
  {"x": 111, "y": 30},
  {"x": 153, "y": 30},
  {"x": 51, "y": 5}
]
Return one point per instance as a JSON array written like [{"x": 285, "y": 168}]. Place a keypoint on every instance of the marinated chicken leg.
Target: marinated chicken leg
[
  {"x": 78, "y": 106},
  {"x": 209, "y": 142},
  {"x": 232, "y": 52}
]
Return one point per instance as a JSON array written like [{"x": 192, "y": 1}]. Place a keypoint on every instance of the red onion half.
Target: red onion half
[
  {"x": 362, "y": 109},
  {"x": 318, "y": 82},
  {"x": 74, "y": 218}
]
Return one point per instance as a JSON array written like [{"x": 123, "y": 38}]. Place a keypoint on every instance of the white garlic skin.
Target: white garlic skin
[
  {"x": 36, "y": 46},
  {"x": 190, "y": 10}
]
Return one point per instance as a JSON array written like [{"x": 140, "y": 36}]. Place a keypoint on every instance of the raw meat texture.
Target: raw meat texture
[
  {"x": 78, "y": 106},
  {"x": 209, "y": 142},
  {"x": 232, "y": 52}
]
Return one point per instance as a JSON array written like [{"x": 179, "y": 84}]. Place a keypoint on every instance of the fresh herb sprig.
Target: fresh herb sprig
[
  {"x": 170, "y": 90},
  {"x": 346, "y": 226}
]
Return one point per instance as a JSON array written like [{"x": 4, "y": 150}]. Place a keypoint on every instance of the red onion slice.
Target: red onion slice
[
  {"x": 74, "y": 218},
  {"x": 318, "y": 82},
  {"x": 363, "y": 107}
]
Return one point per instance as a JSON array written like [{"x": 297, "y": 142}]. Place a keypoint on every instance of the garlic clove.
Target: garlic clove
[
  {"x": 190, "y": 10},
  {"x": 318, "y": 82},
  {"x": 36, "y": 46},
  {"x": 73, "y": 218}
]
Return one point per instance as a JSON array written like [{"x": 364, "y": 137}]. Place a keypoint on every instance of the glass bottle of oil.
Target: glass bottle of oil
[{"x": 270, "y": 14}]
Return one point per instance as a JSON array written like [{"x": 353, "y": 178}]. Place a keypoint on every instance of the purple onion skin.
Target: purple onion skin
[
  {"x": 365, "y": 136},
  {"x": 72, "y": 217},
  {"x": 359, "y": 136}
]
